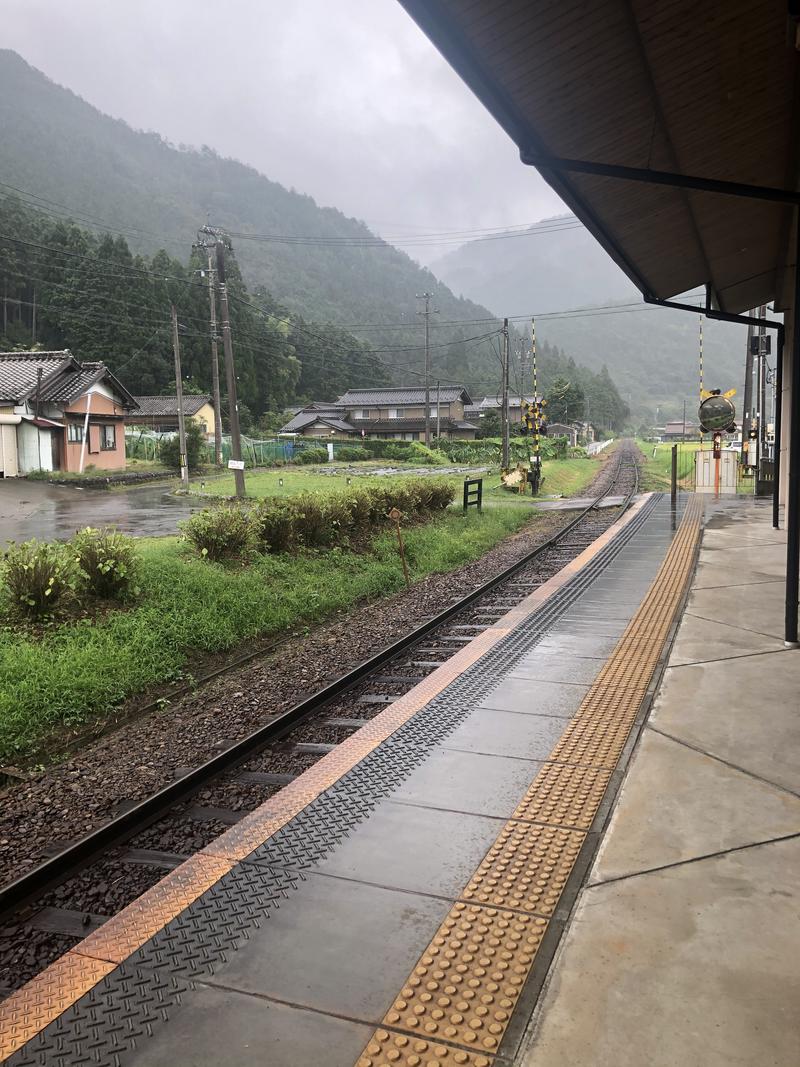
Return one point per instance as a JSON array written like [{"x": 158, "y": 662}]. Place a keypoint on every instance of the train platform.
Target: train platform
[
  {"x": 402, "y": 900},
  {"x": 684, "y": 942}
]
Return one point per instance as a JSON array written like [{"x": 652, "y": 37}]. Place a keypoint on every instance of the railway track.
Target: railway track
[{"x": 82, "y": 883}]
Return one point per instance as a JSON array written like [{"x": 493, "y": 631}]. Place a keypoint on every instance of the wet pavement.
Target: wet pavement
[{"x": 55, "y": 512}]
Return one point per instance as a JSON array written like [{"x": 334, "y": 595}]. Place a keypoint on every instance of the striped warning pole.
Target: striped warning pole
[
  {"x": 537, "y": 469},
  {"x": 701, "y": 378}
]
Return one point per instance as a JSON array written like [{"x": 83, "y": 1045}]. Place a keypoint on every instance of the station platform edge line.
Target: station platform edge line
[{"x": 41, "y": 1001}]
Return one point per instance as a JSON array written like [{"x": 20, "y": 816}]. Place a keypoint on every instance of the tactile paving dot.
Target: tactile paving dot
[
  {"x": 564, "y": 796},
  {"x": 467, "y": 982},
  {"x": 386, "y": 1048},
  {"x": 526, "y": 868}
]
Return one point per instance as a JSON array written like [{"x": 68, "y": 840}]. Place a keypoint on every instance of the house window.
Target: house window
[
  {"x": 397, "y": 413},
  {"x": 74, "y": 432},
  {"x": 108, "y": 437},
  {"x": 362, "y": 414}
]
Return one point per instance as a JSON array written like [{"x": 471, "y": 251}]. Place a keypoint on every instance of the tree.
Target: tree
[
  {"x": 169, "y": 452},
  {"x": 566, "y": 401},
  {"x": 489, "y": 424}
]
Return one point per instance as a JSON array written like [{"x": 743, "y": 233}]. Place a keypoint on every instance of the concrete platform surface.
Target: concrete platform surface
[{"x": 683, "y": 945}]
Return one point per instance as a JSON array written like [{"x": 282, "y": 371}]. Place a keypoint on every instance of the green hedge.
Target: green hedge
[
  {"x": 489, "y": 449},
  {"x": 311, "y": 520}
]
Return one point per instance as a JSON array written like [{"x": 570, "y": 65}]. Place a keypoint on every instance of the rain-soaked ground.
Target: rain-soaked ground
[{"x": 54, "y": 512}]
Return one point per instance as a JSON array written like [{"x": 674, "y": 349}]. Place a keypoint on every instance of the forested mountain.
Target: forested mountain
[
  {"x": 651, "y": 353},
  {"x": 115, "y": 212}
]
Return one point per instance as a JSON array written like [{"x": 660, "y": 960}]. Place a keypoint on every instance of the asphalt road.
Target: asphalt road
[{"x": 55, "y": 512}]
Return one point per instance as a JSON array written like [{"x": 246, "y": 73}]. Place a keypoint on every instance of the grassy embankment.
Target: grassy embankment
[
  {"x": 76, "y": 673},
  {"x": 563, "y": 477}
]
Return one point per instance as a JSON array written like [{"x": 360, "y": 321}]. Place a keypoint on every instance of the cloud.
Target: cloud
[{"x": 346, "y": 101}]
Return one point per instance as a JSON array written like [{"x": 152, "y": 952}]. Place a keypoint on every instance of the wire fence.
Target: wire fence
[{"x": 145, "y": 444}]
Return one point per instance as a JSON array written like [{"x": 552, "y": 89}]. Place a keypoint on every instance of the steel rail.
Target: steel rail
[{"x": 59, "y": 868}]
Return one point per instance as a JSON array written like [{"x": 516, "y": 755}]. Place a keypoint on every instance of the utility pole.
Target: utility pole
[
  {"x": 212, "y": 298},
  {"x": 504, "y": 460},
  {"x": 438, "y": 411},
  {"x": 176, "y": 348},
  {"x": 235, "y": 461},
  {"x": 427, "y": 316},
  {"x": 33, "y": 320}
]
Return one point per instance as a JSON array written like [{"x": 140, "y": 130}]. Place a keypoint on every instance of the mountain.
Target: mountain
[
  {"x": 59, "y": 147},
  {"x": 131, "y": 195},
  {"x": 651, "y": 353}
]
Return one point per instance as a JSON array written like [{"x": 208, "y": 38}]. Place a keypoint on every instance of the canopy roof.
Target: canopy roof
[{"x": 709, "y": 90}]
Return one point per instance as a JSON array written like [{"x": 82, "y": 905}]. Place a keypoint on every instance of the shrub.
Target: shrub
[
  {"x": 351, "y": 453},
  {"x": 38, "y": 576},
  {"x": 230, "y": 532},
  {"x": 311, "y": 455},
  {"x": 420, "y": 453},
  {"x": 275, "y": 524},
  {"x": 107, "y": 561},
  {"x": 169, "y": 449}
]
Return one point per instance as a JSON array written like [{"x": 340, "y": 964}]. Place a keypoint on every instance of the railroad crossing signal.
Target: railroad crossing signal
[{"x": 532, "y": 413}]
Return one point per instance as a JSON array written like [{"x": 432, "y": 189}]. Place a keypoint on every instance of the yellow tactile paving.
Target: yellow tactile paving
[
  {"x": 526, "y": 868},
  {"x": 388, "y": 1049},
  {"x": 465, "y": 986},
  {"x": 31, "y": 1008},
  {"x": 530, "y": 862},
  {"x": 564, "y": 796}
]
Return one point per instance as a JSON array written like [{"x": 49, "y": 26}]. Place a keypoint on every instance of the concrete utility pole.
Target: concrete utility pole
[
  {"x": 504, "y": 461},
  {"x": 427, "y": 316},
  {"x": 235, "y": 461},
  {"x": 176, "y": 348},
  {"x": 438, "y": 411},
  {"x": 212, "y": 298}
]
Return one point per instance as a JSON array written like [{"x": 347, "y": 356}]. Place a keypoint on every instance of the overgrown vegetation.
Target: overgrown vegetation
[
  {"x": 189, "y": 607},
  {"x": 107, "y": 562},
  {"x": 38, "y": 578},
  {"x": 312, "y": 520},
  {"x": 196, "y": 448}
]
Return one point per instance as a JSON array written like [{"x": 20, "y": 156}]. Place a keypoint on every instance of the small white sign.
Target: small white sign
[{"x": 236, "y": 464}]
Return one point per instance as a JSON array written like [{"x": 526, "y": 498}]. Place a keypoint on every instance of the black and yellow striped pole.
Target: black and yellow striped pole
[
  {"x": 536, "y": 469},
  {"x": 700, "y": 428}
]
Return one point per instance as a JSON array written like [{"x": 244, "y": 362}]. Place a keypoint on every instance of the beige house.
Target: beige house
[
  {"x": 160, "y": 413},
  {"x": 389, "y": 414}
]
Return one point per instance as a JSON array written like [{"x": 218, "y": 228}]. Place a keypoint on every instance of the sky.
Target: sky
[{"x": 346, "y": 100}]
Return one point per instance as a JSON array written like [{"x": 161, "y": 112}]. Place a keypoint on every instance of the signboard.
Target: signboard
[{"x": 236, "y": 464}]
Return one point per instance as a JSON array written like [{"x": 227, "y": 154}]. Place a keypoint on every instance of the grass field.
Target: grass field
[
  {"x": 562, "y": 477},
  {"x": 78, "y": 672}
]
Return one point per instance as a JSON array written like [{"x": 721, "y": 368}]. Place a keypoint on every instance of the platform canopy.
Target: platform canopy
[{"x": 706, "y": 89}]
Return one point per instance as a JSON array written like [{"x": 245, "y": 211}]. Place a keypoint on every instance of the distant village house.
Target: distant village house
[
  {"x": 389, "y": 414},
  {"x": 59, "y": 414},
  {"x": 160, "y": 413}
]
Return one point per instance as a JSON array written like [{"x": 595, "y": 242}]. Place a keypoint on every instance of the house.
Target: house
[
  {"x": 319, "y": 419},
  {"x": 391, "y": 414},
  {"x": 678, "y": 430},
  {"x": 495, "y": 403},
  {"x": 160, "y": 413},
  {"x": 59, "y": 414},
  {"x": 563, "y": 429}
]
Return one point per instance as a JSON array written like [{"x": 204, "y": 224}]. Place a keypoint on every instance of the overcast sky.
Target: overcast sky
[{"x": 344, "y": 99}]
